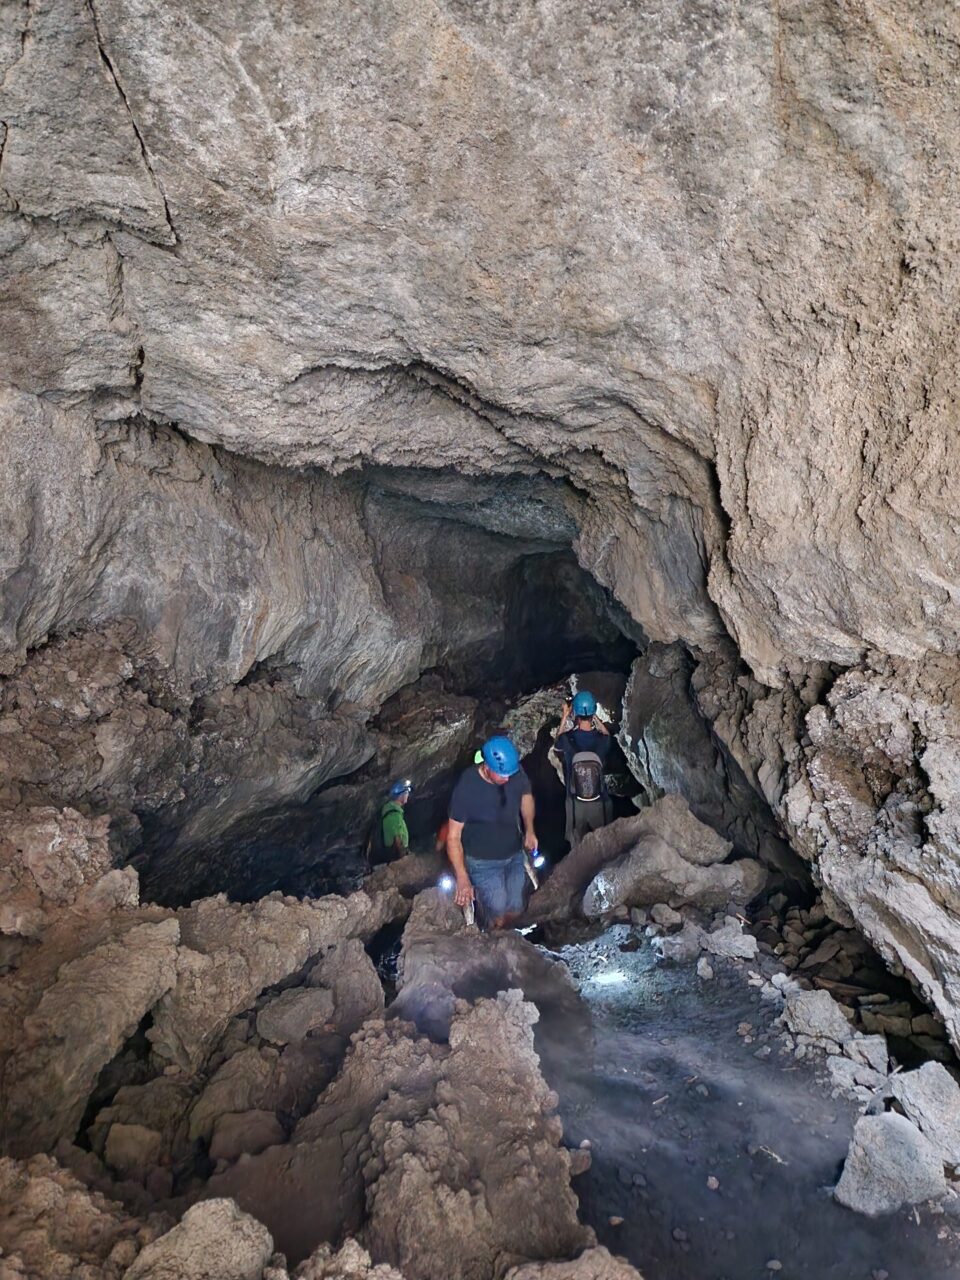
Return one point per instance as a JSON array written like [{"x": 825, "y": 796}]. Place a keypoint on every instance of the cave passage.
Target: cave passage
[{"x": 556, "y": 622}]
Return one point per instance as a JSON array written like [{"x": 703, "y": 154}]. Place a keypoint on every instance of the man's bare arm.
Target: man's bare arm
[
  {"x": 528, "y": 812},
  {"x": 464, "y": 893}
]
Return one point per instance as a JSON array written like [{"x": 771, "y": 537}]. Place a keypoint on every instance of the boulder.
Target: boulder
[
  {"x": 51, "y": 1225},
  {"x": 349, "y": 974},
  {"x": 930, "y": 1097},
  {"x": 133, "y": 1150},
  {"x": 682, "y": 947},
  {"x": 293, "y": 1014},
  {"x": 889, "y": 1164},
  {"x": 665, "y": 916},
  {"x": 233, "y": 951},
  {"x": 673, "y": 859},
  {"x": 350, "y": 1262},
  {"x": 870, "y": 1050},
  {"x": 94, "y": 1002},
  {"x": 816, "y": 1014},
  {"x": 731, "y": 941},
  {"x": 161, "y": 1105},
  {"x": 593, "y": 1264},
  {"x": 847, "y": 1074},
  {"x": 213, "y": 1241},
  {"x": 244, "y": 1131},
  {"x": 246, "y": 1082}
]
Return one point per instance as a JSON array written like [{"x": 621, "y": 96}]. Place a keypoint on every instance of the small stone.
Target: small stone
[
  {"x": 586, "y": 1144},
  {"x": 679, "y": 1233},
  {"x": 927, "y": 1025},
  {"x": 615, "y": 1221},
  {"x": 744, "y": 1028},
  {"x": 774, "y": 1265},
  {"x": 713, "y": 1183},
  {"x": 639, "y": 1180},
  {"x": 705, "y": 969},
  {"x": 665, "y": 915}
]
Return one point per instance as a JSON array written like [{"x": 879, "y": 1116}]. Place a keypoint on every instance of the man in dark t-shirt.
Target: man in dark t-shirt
[
  {"x": 583, "y": 743},
  {"x": 490, "y": 805}
]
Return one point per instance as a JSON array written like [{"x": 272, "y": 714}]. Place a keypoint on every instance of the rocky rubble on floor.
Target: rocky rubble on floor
[
  {"x": 838, "y": 959},
  {"x": 425, "y": 1149},
  {"x": 53, "y": 1228},
  {"x": 259, "y": 1127},
  {"x": 91, "y": 965}
]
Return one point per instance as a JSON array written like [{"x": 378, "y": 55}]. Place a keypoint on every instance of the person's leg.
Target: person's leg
[
  {"x": 588, "y": 816},
  {"x": 489, "y": 889},
  {"x": 514, "y": 887}
]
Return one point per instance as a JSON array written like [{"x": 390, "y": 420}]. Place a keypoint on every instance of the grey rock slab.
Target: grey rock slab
[
  {"x": 889, "y": 1164},
  {"x": 731, "y": 941},
  {"x": 292, "y": 1015},
  {"x": 870, "y": 1050},
  {"x": 930, "y": 1097},
  {"x": 816, "y": 1014}
]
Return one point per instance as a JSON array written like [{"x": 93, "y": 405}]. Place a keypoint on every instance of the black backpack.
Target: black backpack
[
  {"x": 586, "y": 775},
  {"x": 377, "y": 852}
]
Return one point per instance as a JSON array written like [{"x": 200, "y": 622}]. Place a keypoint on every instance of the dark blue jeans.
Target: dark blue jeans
[{"x": 498, "y": 885}]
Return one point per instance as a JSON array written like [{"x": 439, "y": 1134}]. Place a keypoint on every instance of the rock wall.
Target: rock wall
[{"x": 698, "y": 263}]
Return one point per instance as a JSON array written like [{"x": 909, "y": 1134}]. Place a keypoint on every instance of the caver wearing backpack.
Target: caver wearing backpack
[
  {"x": 388, "y": 837},
  {"x": 583, "y": 748}
]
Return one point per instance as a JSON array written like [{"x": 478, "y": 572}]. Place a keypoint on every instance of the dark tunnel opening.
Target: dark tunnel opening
[{"x": 555, "y": 621}]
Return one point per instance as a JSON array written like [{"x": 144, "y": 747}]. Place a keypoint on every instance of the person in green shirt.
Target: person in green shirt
[{"x": 393, "y": 824}]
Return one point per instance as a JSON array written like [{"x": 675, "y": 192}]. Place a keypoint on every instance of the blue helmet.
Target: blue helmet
[
  {"x": 401, "y": 788},
  {"x": 501, "y": 757},
  {"x": 584, "y": 705}
]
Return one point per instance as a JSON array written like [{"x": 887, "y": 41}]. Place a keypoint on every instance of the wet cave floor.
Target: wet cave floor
[{"x": 672, "y": 1095}]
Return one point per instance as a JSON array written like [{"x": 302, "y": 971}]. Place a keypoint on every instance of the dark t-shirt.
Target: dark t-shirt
[
  {"x": 490, "y": 814},
  {"x": 574, "y": 740}
]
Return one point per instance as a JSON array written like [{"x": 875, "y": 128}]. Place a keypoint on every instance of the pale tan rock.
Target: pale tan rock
[
  {"x": 212, "y": 1239},
  {"x": 657, "y": 867}
]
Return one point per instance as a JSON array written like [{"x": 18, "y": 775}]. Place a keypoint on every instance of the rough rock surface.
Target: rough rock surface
[
  {"x": 52, "y": 1225},
  {"x": 213, "y": 1241},
  {"x": 253, "y": 249},
  {"x": 453, "y": 1127},
  {"x": 348, "y": 973},
  {"x": 930, "y": 1097},
  {"x": 292, "y": 1015},
  {"x": 675, "y": 859},
  {"x": 231, "y": 952},
  {"x": 350, "y": 1262},
  {"x": 592, "y": 1264},
  {"x": 890, "y": 1163},
  {"x": 55, "y": 1062},
  {"x": 816, "y": 1014}
]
